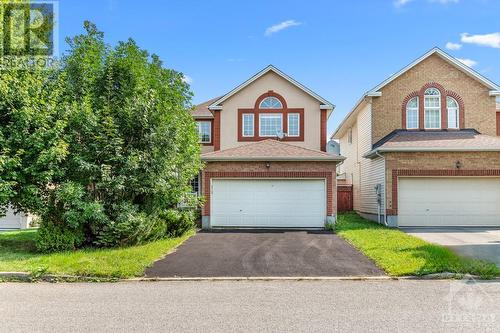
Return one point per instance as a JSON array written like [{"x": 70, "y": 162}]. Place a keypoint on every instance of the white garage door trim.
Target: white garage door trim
[
  {"x": 449, "y": 201},
  {"x": 303, "y": 205}
]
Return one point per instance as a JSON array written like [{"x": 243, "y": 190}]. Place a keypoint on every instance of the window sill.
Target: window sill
[{"x": 260, "y": 138}]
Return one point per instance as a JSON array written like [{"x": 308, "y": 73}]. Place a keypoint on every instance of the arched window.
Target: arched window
[
  {"x": 432, "y": 108},
  {"x": 412, "y": 113},
  {"x": 271, "y": 103},
  {"x": 453, "y": 112}
]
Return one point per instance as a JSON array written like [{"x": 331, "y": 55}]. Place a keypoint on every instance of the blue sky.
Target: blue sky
[{"x": 339, "y": 49}]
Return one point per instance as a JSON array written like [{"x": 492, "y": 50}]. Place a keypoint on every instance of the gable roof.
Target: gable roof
[
  {"x": 495, "y": 89},
  {"x": 375, "y": 92},
  {"x": 216, "y": 105},
  {"x": 269, "y": 150}
]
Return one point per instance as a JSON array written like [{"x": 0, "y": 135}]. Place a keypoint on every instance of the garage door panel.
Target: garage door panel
[
  {"x": 10, "y": 220},
  {"x": 453, "y": 201},
  {"x": 268, "y": 203}
]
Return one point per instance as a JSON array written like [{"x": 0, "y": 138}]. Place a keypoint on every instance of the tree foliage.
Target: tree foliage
[{"x": 105, "y": 136}]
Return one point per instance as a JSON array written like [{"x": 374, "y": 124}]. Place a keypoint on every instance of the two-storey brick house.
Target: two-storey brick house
[
  {"x": 264, "y": 148},
  {"x": 423, "y": 147}
]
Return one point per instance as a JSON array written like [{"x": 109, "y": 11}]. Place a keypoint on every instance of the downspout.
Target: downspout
[{"x": 385, "y": 194}]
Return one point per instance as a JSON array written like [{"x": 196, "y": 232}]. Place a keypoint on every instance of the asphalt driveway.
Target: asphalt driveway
[
  {"x": 479, "y": 243},
  {"x": 264, "y": 253}
]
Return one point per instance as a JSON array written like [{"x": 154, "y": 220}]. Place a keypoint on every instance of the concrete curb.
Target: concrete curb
[
  {"x": 27, "y": 277},
  {"x": 266, "y": 278}
]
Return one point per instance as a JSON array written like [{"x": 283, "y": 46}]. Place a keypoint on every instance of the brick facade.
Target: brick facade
[
  {"x": 480, "y": 109},
  {"x": 326, "y": 170},
  {"x": 216, "y": 130},
  {"x": 436, "y": 164},
  {"x": 323, "y": 130}
]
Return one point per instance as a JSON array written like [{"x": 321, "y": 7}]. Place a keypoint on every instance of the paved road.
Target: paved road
[
  {"x": 480, "y": 243},
  {"x": 264, "y": 253},
  {"x": 251, "y": 306}
]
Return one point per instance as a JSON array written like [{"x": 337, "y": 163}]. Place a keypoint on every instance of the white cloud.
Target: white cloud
[
  {"x": 401, "y": 3},
  {"x": 490, "y": 40},
  {"x": 453, "y": 46},
  {"x": 187, "y": 79},
  {"x": 468, "y": 62},
  {"x": 281, "y": 26},
  {"x": 444, "y": 2}
]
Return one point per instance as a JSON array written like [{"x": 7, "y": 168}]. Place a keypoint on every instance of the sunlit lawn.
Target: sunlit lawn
[
  {"x": 18, "y": 254},
  {"x": 401, "y": 254}
]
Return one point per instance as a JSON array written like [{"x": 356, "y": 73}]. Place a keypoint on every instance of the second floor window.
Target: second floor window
[
  {"x": 432, "y": 108},
  {"x": 205, "y": 131},
  {"x": 271, "y": 103},
  {"x": 412, "y": 114},
  {"x": 293, "y": 124},
  {"x": 248, "y": 124},
  {"x": 270, "y": 124},
  {"x": 453, "y": 112}
]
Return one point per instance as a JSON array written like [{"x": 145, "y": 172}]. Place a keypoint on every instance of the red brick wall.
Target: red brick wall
[
  {"x": 216, "y": 130},
  {"x": 323, "y": 130},
  {"x": 436, "y": 164}
]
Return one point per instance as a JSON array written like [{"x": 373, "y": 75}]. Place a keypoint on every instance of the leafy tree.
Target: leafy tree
[
  {"x": 102, "y": 148},
  {"x": 32, "y": 145}
]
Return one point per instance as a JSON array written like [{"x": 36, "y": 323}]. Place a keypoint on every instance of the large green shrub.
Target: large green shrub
[
  {"x": 53, "y": 237},
  {"x": 131, "y": 227},
  {"x": 104, "y": 146},
  {"x": 178, "y": 221}
]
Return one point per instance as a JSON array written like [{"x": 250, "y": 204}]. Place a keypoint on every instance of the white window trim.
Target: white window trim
[
  {"x": 425, "y": 117},
  {"x": 298, "y": 124},
  {"x": 434, "y": 108},
  {"x": 198, "y": 124},
  {"x": 412, "y": 109},
  {"x": 243, "y": 125},
  {"x": 260, "y": 123},
  {"x": 456, "y": 110},
  {"x": 349, "y": 136},
  {"x": 269, "y": 108}
]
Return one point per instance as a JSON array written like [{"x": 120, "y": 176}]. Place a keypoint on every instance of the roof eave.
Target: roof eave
[
  {"x": 272, "y": 158},
  {"x": 335, "y": 134},
  {"x": 495, "y": 93},
  {"x": 375, "y": 152},
  {"x": 327, "y": 107},
  {"x": 216, "y": 105},
  {"x": 444, "y": 55}
]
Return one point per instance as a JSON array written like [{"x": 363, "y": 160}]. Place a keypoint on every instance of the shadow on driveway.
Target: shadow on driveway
[{"x": 252, "y": 253}]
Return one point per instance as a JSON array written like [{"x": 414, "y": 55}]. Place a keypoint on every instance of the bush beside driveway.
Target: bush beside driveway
[
  {"x": 401, "y": 254},
  {"x": 18, "y": 254}
]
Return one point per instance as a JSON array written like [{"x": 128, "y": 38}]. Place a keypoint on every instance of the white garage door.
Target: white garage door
[
  {"x": 450, "y": 201},
  {"x": 268, "y": 203},
  {"x": 11, "y": 220}
]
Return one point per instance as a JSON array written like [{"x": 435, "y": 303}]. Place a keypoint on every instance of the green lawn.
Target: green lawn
[
  {"x": 17, "y": 254},
  {"x": 401, "y": 254}
]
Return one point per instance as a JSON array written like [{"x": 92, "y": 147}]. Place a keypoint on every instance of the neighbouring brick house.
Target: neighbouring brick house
[
  {"x": 423, "y": 147},
  {"x": 264, "y": 148}
]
